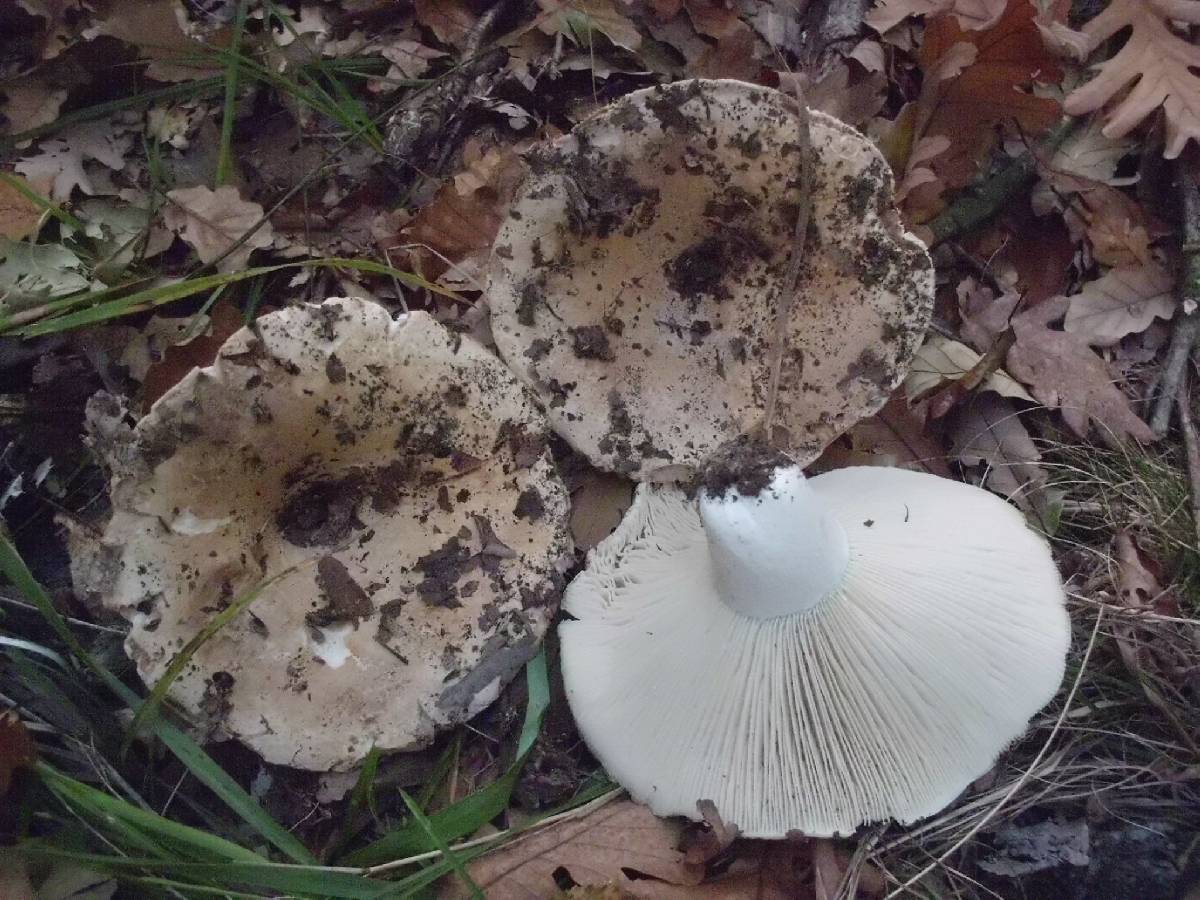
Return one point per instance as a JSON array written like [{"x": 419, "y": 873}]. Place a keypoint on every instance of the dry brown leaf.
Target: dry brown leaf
[
  {"x": 665, "y": 9},
  {"x": 29, "y": 103},
  {"x": 991, "y": 91},
  {"x": 731, "y": 57},
  {"x": 153, "y": 27},
  {"x": 17, "y": 750},
  {"x": 853, "y": 101},
  {"x": 716, "y": 18},
  {"x": 941, "y": 360},
  {"x": 1118, "y": 227},
  {"x": 179, "y": 359},
  {"x": 987, "y": 431},
  {"x": 19, "y": 216},
  {"x": 597, "y": 505},
  {"x": 894, "y": 436},
  {"x": 984, "y": 315},
  {"x": 971, "y": 14},
  {"x": 449, "y": 20},
  {"x": 599, "y": 849},
  {"x": 213, "y": 221},
  {"x": 1123, "y": 301},
  {"x": 579, "y": 18},
  {"x": 461, "y": 221},
  {"x": 1156, "y": 61},
  {"x": 1063, "y": 373}
]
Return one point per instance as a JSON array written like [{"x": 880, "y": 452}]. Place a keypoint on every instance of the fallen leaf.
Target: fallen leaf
[
  {"x": 984, "y": 315},
  {"x": 17, "y": 750},
  {"x": 195, "y": 347},
  {"x": 19, "y": 216},
  {"x": 409, "y": 59},
  {"x": 991, "y": 91},
  {"x": 971, "y": 14},
  {"x": 853, "y": 101},
  {"x": 1063, "y": 373},
  {"x": 1119, "y": 228},
  {"x": 154, "y": 29},
  {"x": 29, "y": 104},
  {"x": 59, "y": 164},
  {"x": 895, "y": 436},
  {"x": 987, "y": 431},
  {"x": 941, "y": 360},
  {"x": 731, "y": 57},
  {"x": 579, "y": 19},
  {"x": 601, "y": 848},
  {"x": 33, "y": 273},
  {"x": 449, "y": 20},
  {"x": 597, "y": 505},
  {"x": 715, "y": 18},
  {"x": 214, "y": 221},
  {"x": 1122, "y": 301},
  {"x": 1156, "y": 61}
]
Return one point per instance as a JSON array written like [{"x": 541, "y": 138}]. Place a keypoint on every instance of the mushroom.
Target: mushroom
[
  {"x": 811, "y": 654},
  {"x": 637, "y": 276},
  {"x": 395, "y": 474}
]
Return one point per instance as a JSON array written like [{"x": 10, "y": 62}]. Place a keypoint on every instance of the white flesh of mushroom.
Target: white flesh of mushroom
[{"x": 853, "y": 648}]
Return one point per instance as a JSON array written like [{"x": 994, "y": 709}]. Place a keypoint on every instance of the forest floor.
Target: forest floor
[{"x": 170, "y": 170}]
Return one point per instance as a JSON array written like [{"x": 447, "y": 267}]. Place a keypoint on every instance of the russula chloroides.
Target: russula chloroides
[
  {"x": 637, "y": 276},
  {"x": 401, "y": 467},
  {"x": 811, "y": 654}
]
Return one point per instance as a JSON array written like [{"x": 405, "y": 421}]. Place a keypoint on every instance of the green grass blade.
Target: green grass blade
[
  {"x": 229, "y": 113},
  {"x": 469, "y": 813},
  {"x": 44, "y": 203},
  {"x": 199, "y": 763},
  {"x": 158, "y": 693},
  {"x": 440, "y": 843}
]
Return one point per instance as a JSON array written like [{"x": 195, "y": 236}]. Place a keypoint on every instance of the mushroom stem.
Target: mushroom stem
[{"x": 775, "y": 553}]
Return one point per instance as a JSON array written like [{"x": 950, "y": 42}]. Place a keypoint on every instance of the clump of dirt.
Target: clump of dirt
[
  {"x": 321, "y": 513},
  {"x": 745, "y": 466},
  {"x": 345, "y": 599},
  {"x": 591, "y": 342}
]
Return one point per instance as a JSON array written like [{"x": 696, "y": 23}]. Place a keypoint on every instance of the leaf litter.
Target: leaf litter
[{"x": 1054, "y": 311}]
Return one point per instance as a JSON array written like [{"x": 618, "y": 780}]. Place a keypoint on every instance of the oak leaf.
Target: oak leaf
[
  {"x": 974, "y": 14},
  {"x": 1063, "y": 373},
  {"x": 895, "y": 436},
  {"x": 1123, "y": 301},
  {"x": 992, "y": 90},
  {"x": 19, "y": 216},
  {"x": 1155, "y": 63},
  {"x": 449, "y": 20},
  {"x": 598, "y": 849},
  {"x": 60, "y": 164},
  {"x": 941, "y": 359},
  {"x": 213, "y": 222}
]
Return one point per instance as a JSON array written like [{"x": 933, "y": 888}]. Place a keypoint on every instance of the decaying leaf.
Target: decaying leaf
[
  {"x": 987, "y": 431},
  {"x": 19, "y": 216},
  {"x": 59, "y": 165},
  {"x": 583, "y": 20},
  {"x": 153, "y": 27},
  {"x": 941, "y": 359},
  {"x": 971, "y": 14},
  {"x": 992, "y": 91},
  {"x": 173, "y": 347},
  {"x": 214, "y": 221},
  {"x": 1155, "y": 63},
  {"x": 894, "y": 436},
  {"x": 33, "y": 273},
  {"x": 1119, "y": 228},
  {"x": 449, "y": 20},
  {"x": 1123, "y": 301},
  {"x": 603, "y": 847},
  {"x": 1063, "y": 373},
  {"x": 29, "y": 103},
  {"x": 17, "y": 750}
]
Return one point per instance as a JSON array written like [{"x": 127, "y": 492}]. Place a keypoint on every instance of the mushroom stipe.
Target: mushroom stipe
[
  {"x": 404, "y": 460},
  {"x": 815, "y": 654}
]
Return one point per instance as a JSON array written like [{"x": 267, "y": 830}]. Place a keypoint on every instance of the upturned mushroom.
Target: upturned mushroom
[
  {"x": 811, "y": 654},
  {"x": 403, "y": 472},
  {"x": 637, "y": 278}
]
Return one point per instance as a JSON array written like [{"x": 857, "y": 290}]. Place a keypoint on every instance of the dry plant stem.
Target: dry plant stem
[
  {"x": 791, "y": 281},
  {"x": 1191, "y": 446},
  {"x": 1187, "y": 327},
  {"x": 1020, "y": 782}
]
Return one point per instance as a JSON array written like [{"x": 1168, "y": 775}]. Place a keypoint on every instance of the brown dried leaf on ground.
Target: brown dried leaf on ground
[
  {"x": 597, "y": 505},
  {"x": 153, "y": 28},
  {"x": 853, "y": 100},
  {"x": 458, "y": 226},
  {"x": 1063, "y": 373},
  {"x": 894, "y": 436},
  {"x": 17, "y": 750},
  {"x": 1157, "y": 65},
  {"x": 213, "y": 221},
  {"x": 578, "y": 20},
  {"x": 29, "y": 103},
  {"x": 987, "y": 431},
  {"x": 19, "y": 216},
  {"x": 449, "y": 20},
  {"x": 1123, "y": 301},
  {"x": 1161, "y": 654},
  {"x": 941, "y": 360},
  {"x": 715, "y": 18},
  {"x": 971, "y": 14},
  {"x": 1118, "y": 227},
  {"x": 597, "y": 849},
  {"x": 991, "y": 91},
  {"x": 198, "y": 350},
  {"x": 732, "y": 56}
]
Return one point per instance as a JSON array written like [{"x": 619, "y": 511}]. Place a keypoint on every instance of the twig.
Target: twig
[
  {"x": 984, "y": 199},
  {"x": 1187, "y": 326},
  {"x": 791, "y": 280},
  {"x": 1191, "y": 446}
]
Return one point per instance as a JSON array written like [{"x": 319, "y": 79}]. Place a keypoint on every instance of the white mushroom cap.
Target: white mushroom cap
[
  {"x": 637, "y": 276},
  {"x": 406, "y": 464},
  {"x": 892, "y": 682}
]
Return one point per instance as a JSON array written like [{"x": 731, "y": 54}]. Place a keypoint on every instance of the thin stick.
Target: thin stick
[
  {"x": 1191, "y": 446},
  {"x": 1187, "y": 326},
  {"x": 1020, "y": 782},
  {"x": 791, "y": 281}
]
